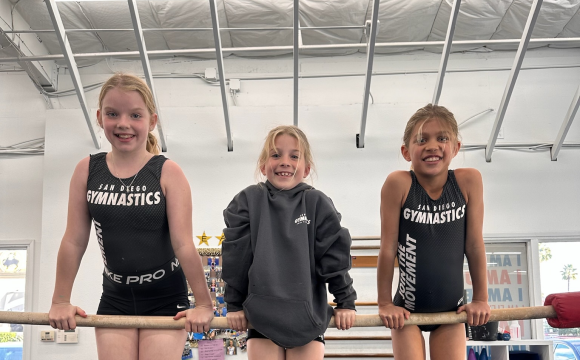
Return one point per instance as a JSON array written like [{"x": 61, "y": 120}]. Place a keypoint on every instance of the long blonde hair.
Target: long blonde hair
[
  {"x": 270, "y": 144},
  {"x": 127, "y": 82},
  {"x": 427, "y": 113}
]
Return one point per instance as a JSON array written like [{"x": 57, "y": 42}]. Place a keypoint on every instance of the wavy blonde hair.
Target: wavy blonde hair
[
  {"x": 128, "y": 82},
  {"x": 270, "y": 144}
]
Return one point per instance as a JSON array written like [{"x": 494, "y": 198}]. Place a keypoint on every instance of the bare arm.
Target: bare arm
[
  {"x": 179, "y": 214},
  {"x": 470, "y": 182},
  {"x": 72, "y": 248},
  {"x": 393, "y": 194}
]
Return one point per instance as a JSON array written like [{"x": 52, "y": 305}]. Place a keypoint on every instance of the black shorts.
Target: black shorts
[
  {"x": 255, "y": 334},
  {"x": 164, "y": 298},
  {"x": 429, "y": 328}
]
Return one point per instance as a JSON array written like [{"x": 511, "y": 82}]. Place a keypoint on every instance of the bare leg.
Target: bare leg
[
  {"x": 408, "y": 343},
  {"x": 448, "y": 342},
  {"x": 314, "y": 350},
  {"x": 121, "y": 344},
  {"x": 264, "y": 349},
  {"x": 157, "y": 344}
]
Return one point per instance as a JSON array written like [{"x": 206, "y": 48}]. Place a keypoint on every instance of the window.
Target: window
[
  {"x": 12, "y": 289},
  {"x": 507, "y": 280},
  {"x": 563, "y": 352},
  {"x": 559, "y": 273}
]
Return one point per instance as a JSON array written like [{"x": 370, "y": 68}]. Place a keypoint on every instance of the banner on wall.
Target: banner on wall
[{"x": 507, "y": 280}]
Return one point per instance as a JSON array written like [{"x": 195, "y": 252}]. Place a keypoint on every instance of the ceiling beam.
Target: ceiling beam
[
  {"x": 42, "y": 73},
  {"x": 72, "y": 66},
  {"x": 372, "y": 39},
  {"x": 296, "y": 57},
  {"x": 446, "y": 51},
  {"x": 221, "y": 73},
  {"x": 178, "y": 52},
  {"x": 311, "y": 28},
  {"x": 146, "y": 67},
  {"x": 520, "y": 54},
  {"x": 572, "y": 110}
]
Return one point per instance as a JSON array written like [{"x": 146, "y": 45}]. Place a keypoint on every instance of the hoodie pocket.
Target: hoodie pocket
[{"x": 287, "y": 322}]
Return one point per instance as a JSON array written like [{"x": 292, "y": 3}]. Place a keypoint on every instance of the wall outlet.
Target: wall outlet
[
  {"x": 67, "y": 336},
  {"x": 46, "y": 335}
]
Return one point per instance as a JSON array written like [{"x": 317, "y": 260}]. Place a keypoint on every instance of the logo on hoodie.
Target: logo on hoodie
[{"x": 302, "y": 219}]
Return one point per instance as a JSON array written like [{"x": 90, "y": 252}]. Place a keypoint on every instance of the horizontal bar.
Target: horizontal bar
[
  {"x": 356, "y": 337},
  {"x": 365, "y": 247},
  {"x": 354, "y": 27},
  {"x": 359, "y": 303},
  {"x": 167, "y": 322}
]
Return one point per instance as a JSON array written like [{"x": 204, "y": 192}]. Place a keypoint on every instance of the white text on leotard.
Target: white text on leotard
[
  {"x": 99, "y": 232},
  {"x": 123, "y": 199},
  {"x": 441, "y": 214},
  {"x": 140, "y": 279},
  {"x": 407, "y": 271}
]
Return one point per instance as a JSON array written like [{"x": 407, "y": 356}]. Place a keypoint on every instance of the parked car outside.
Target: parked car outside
[{"x": 566, "y": 349}]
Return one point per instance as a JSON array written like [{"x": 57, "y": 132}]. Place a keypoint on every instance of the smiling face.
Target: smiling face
[
  {"x": 125, "y": 119},
  {"x": 431, "y": 147},
  {"x": 285, "y": 167}
]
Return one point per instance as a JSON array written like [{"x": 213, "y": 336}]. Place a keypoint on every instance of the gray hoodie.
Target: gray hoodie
[{"x": 280, "y": 250}]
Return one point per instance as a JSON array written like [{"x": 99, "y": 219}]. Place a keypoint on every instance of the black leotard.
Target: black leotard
[
  {"x": 133, "y": 234},
  {"x": 431, "y": 249}
]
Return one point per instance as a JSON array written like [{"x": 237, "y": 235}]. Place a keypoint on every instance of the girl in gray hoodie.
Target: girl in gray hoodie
[{"x": 283, "y": 244}]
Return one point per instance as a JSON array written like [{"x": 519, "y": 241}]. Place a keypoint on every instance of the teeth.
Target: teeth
[
  {"x": 285, "y": 174},
  {"x": 125, "y": 136},
  {"x": 433, "y": 158}
]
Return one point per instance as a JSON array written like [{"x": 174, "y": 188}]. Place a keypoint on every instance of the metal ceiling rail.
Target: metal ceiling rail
[
  {"x": 446, "y": 51},
  {"x": 42, "y": 73},
  {"x": 572, "y": 110},
  {"x": 72, "y": 65},
  {"x": 372, "y": 38},
  {"x": 221, "y": 73},
  {"x": 520, "y": 54},
  {"x": 177, "y": 52},
  {"x": 296, "y": 57},
  {"x": 339, "y": 27},
  {"x": 146, "y": 66}
]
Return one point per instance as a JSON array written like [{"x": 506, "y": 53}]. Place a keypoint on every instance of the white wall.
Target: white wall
[{"x": 525, "y": 192}]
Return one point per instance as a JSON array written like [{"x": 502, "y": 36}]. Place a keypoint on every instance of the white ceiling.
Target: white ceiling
[{"x": 400, "y": 21}]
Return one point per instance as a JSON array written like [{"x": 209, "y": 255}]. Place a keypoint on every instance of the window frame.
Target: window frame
[
  {"x": 532, "y": 244},
  {"x": 27, "y": 245}
]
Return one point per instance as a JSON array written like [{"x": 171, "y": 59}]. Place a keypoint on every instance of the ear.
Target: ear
[
  {"x": 306, "y": 171},
  {"x": 405, "y": 153},
  {"x": 457, "y": 147},
  {"x": 99, "y": 118},
  {"x": 263, "y": 169},
  {"x": 153, "y": 122}
]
